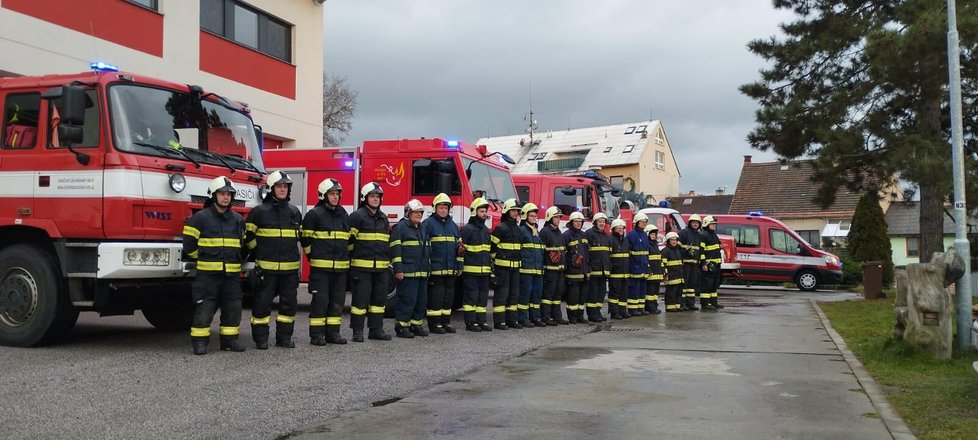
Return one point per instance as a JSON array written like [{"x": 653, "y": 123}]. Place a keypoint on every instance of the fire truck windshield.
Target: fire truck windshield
[
  {"x": 494, "y": 183},
  {"x": 158, "y": 122}
]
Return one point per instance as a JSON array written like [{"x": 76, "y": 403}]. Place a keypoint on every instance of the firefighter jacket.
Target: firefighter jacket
[
  {"x": 533, "y": 251},
  {"x": 599, "y": 252},
  {"x": 638, "y": 251},
  {"x": 712, "y": 254},
  {"x": 577, "y": 255},
  {"x": 507, "y": 243},
  {"x": 476, "y": 247},
  {"x": 370, "y": 235},
  {"x": 672, "y": 262},
  {"x": 273, "y": 235},
  {"x": 619, "y": 256},
  {"x": 691, "y": 242},
  {"x": 444, "y": 236},
  {"x": 326, "y": 238},
  {"x": 410, "y": 250},
  {"x": 655, "y": 261},
  {"x": 215, "y": 240},
  {"x": 554, "y": 247}
]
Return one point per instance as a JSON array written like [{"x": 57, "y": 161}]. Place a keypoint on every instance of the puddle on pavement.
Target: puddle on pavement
[{"x": 652, "y": 361}]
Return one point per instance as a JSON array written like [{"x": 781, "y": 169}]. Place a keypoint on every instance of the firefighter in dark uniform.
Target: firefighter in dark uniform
[
  {"x": 325, "y": 241},
  {"x": 507, "y": 241},
  {"x": 599, "y": 259},
  {"x": 446, "y": 264},
  {"x": 672, "y": 262},
  {"x": 577, "y": 268},
  {"x": 655, "y": 271},
  {"x": 214, "y": 237},
  {"x": 618, "y": 281},
  {"x": 713, "y": 256},
  {"x": 638, "y": 264},
  {"x": 410, "y": 254},
  {"x": 531, "y": 270},
  {"x": 476, "y": 267},
  {"x": 369, "y": 259},
  {"x": 553, "y": 268},
  {"x": 691, "y": 242}
]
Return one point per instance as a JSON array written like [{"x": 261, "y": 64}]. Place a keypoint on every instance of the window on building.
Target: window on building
[
  {"x": 148, "y": 4},
  {"x": 687, "y": 202},
  {"x": 660, "y": 160},
  {"x": 426, "y": 176},
  {"x": 630, "y": 130},
  {"x": 659, "y": 139},
  {"x": 628, "y": 148},
  {"x": 523, "y": 193},
  {"x": 744, "y": 235},
  {"x": 248, "y": 26},
  {"x": 782, "y": 242},
  {"x": 913, "y": 247},
  {"x": 20, "y": 121},
  {"x": 540, "y": 156},
  {"x": 607, "y": 149},
  {"x": 813, "y": 237},
  {"x": 90, "y": 126},
  {"x": 641, "y": 128}
]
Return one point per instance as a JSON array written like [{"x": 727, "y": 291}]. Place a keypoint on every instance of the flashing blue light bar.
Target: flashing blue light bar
[
  {"x": 755, "y": 213},
  {"x": 665, "y": 204},
  {"x": 103, "y": 67},
  {"x": 348, "y": 163},
  {"x": 453, "y": 144}
]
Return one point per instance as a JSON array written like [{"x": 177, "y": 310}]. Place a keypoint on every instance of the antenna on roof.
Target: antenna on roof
[{"x": 531, "y": 124}]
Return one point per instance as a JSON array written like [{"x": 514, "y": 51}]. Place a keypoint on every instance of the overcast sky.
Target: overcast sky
[{"x": 464, "y": 69}]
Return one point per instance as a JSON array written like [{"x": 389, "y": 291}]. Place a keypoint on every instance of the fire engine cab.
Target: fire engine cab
[
  {"x": 588, "y": 193},
  {"x": 99, "y": 171}
]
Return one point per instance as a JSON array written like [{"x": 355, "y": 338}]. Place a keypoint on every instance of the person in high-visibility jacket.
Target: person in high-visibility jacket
[
  {"x": 507, "y": 242},
  {"x": 638, "y": 250},
  {"x": 325, "y": 241},
  {"x": 599, "y": 257},
  {"x": 369, "y": 260},
  {"x": 273, "y": 235},
  {"x": 554, "y": 247},
  {"x": 655, "y": 271},
  {"x": 213, "y": 239},
  {"x": 672, "y": 262},
  {"x": 410, "y": 255},
  {"x": 531, "y": 270},
  {"x": 711, "y": 271},
  {"x": 446, "y": 264},
  {"x": 618, "y": 281},
  {"x": 476, "y": 267},
  {"x": 691, "y": 242},
  {"x": 578, "y": 267}
]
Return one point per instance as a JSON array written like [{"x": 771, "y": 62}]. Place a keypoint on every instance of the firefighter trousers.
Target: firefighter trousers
[
  {"x": 281, "y": 284},
  {"x": 441, "y": 294},
  {"x": 618, "y": 295},
  {"x": 475, "y": 298},
  {"x": 636, "y": 293},
  {"x": 507, "y": 295},
  {"x": 369, "y": 295},
  {"x": 597, "y": 289},
  {"x": 652, "y": 295},
  {"x": 328, "y": 290},
  {"x": 692, "y": 277},
  {"x": 531, "y": 292},
  {"x": 412, "y": 299},
  {"x": 209, "y": 292},
  {"x": 673, "y": 297},
  {"x": 576, "y": 291},
  {"x": 553, "y": 293},
  {"x": 709, "y": 286}
]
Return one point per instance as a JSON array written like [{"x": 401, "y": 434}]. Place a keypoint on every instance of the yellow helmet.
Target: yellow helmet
[
  {"x": 527, "y": 208},
  {"x": 695, "y": 218},
  {"x": 672, "y": 235},
  {"x": 651, "y": 228},
  {"x": 707, "y": 221},
  {"x": 478, "y": 203},
  {"x": 617, "y": 222},
  {"x": 599, "y": 216},
  {"x": 640, "y": 218},
  {"x": 576, "y": 215},
  {"x": 552, "y": 212},
  {"x": 441, "y": 199},
  {"x": 509, "y": 205}
]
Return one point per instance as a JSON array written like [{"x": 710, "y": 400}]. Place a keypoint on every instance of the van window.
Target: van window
[
  {"x": 743, "y": 235},
  {"x": 523, "y": 193},
  {"x": 782, "y": 242},
  {"x": 20, "y": 121}
]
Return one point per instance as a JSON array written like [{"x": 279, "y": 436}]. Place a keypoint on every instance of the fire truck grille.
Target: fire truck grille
[{"x": 202, "y": 199}]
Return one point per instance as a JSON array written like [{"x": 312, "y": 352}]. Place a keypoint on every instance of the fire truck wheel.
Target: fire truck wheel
[
  {"x": 34, "y": 305},
  {"x": 170, "y": 313},
  {"x": 807, "y": 280}
]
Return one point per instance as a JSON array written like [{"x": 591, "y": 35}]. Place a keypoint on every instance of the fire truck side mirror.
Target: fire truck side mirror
[
  {"x": 569, "y": 191},
  {"x": 72, "y": 101}
]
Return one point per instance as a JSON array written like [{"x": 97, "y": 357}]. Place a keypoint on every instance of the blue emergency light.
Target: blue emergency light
[
  {"x": 348, "y": 163},
  {"x": 665, "y": 204},
  {"x": 100, "y": 66},
  {"x": 755, "y": 213},
  {"x": 453, "y": 144}
]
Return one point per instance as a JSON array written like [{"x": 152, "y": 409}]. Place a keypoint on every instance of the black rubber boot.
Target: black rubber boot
[
  {"x": 485, "y": 326},
  {"x": 514, "y": 324},
  {"x": 715, "y": 303},
  {"x": 199, "y": 345},
  {"x": 318, "y": 340},
  {"x": 705, "y": 304},
  {"x": 400, "y": 332},
  {"x": 358, "y": 335},
  {"x": 446, "y": 323},
  {"x": 283, "y": 335},
  {"x": 259, "y": 333},
  {"x": 230, "y": 343},
  {"x": 419, "y": 331},
  {"x": 317, "y": 335},
  {"x": 473, "y": 327},
  {"x": 379, "y": 334},
  {"x": 333, "y": 336},
  {"x": 500, "y": 326}
]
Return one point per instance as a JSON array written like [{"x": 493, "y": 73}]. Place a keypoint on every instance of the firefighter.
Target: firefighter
[
  {"x": 713, "y": 257},
  {"x": 672, "y": 263},
  {"x": 507, "y": 243},
  {"x": 576, "y": 274},
  {"x": 476, "y": 266},
  {"x": 599, "y": 259},
  {"x": 369, "y": 234},
  {"x": 213, "y": 238},
  {"x": 410, "y": 253},
  {"x": 446, "y": 265},
  {"x": 691, "y": 242},
  {"x": 655, "y": 271},
  {"x": 273, "y": 235},
  {"x": 325, "y": 236},
  {"x": 553, "y": 268},
  {"x": 638, "y": 264},
  {"x": 531, "y": 270},
  {"x": 618, "y": 293}
]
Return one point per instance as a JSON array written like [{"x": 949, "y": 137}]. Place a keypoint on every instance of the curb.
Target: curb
[{"x": 893, "y": 422}]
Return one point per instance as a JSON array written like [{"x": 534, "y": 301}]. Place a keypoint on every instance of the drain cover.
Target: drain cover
[{"x": 625, "y": 329}]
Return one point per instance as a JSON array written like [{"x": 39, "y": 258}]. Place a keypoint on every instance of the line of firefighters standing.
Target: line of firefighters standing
[{"x": 535, "y": 270}]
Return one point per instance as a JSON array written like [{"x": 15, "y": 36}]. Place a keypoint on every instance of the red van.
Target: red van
[{"x": 768, "y": 250}]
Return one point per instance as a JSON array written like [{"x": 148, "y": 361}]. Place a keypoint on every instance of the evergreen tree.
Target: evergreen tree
[{"x": 867, "y": 239}]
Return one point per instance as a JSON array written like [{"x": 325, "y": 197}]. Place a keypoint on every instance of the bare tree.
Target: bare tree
[{"x": 339, "y": 108}]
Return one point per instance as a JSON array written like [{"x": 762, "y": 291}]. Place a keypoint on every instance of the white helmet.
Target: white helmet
[
  {"x": 576, "y": 215},
  {"x": 650, "y": 228},
  {"x": 640, "y": 218},
  {"x": 695, "y": 218},
  {"x": 275, "y": 178},
  {"x": 328, "y": 185},
  {"x": 413, "y": 205},
  {"x": 371, "y": 188},
  {"x": 552, "y": 212},
  {"x": 672, "y": 235},
  {"x": 221, "y": 184},
  {"x": 599, "y": 216},
  {"x": 617, "y": 222}
]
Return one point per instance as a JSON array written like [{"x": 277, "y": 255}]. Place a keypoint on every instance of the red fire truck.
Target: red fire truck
[{"x": 100, "y": 170}]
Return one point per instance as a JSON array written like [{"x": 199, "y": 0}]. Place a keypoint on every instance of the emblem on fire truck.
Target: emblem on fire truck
[{"x": 388, "y": 174}]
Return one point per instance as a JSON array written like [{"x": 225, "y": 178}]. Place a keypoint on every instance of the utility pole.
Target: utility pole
[{"x": 961, "y": 245}]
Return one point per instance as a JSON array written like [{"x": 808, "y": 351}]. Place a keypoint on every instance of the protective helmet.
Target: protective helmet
[
  {"x": 651, "y": 228},
  {"x": 276, "y": 178},
  {"x": 576, "y": 215},
  {"x": 413, "y": 205},
  {"x": 221, "y": 184},
  {"x": 328, "y": 185},
  {"x": 617, "y": 222},
  {"x": 371, "y": 188},
  {"x": 552, "y": 212},
  {"x": 640, "y": 218},
  {"x": 509, "y": 205},
  {"x": 478, "y": 203},
  {"x": 708, "y": 220},
  {"x": 695, "y": 218},
  {"x": 527, "y": 208},
  {"x": 440, "y": 199},
  {"x": 599, "y": 216},
  {"x": 672, "y": 235}
]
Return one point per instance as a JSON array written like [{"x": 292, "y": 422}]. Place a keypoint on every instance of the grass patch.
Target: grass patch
[{"x": 938, "y": 399}]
